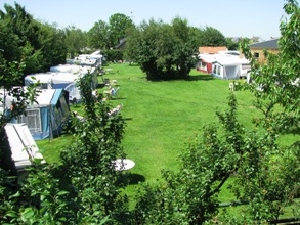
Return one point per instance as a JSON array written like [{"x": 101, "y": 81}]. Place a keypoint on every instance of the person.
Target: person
[
  {"x": 112, "y": 91},
  {"x": 115, "y": 111}
]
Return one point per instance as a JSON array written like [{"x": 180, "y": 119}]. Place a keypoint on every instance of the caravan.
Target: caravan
[
  {"x": 45, "y": 118},
  {"x": 64, "y": 76},
  {"x": 230, "y": 67},
  {"x": 227, "y": 64}
]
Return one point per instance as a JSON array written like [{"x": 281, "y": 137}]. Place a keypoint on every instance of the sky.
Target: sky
[{"x": 233, "y": 18}]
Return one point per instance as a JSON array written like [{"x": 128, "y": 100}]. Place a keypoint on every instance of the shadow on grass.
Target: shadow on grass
[
  {"x": 134, "y": 178},
  {"x": 118, "y": 98},
  {"x": 201, "y": 77}
]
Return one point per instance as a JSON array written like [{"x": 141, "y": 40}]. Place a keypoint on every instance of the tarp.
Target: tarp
[{"x": 22, "y": 145}]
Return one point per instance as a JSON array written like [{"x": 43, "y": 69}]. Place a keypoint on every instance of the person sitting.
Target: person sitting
[
  {"x": 115, "y": 111},
  {"x": 112, "y": 91}
]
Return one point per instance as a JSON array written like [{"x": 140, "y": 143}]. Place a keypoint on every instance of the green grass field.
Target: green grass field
[{"x": 160, "y": 118}]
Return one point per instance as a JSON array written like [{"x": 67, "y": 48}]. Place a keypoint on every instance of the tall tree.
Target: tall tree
[
  {"x": 99, "y": 35},
  {"x": 118, "y": 24},
  {"x": 38, "y": 45},
  {"x": 75, "y": 41},
  {"x": 212, "y": 37},
  {"x": 163, "y": 51}
]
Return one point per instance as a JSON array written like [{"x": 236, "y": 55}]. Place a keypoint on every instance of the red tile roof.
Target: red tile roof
[{"x": 212, "y": 50}]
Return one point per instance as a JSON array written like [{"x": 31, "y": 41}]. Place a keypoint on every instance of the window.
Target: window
[
  {"x": 33, "y": 120},
  {"x": 246, "y": 66},
  {"x": 256, "y": 55}
]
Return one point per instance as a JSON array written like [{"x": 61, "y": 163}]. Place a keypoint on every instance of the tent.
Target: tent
[
  {"x": 230, "y": 67},
  {"x": 46, "y": 118}
]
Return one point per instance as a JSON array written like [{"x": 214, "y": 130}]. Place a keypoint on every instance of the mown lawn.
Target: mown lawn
[{"x": 160, "y": 118}]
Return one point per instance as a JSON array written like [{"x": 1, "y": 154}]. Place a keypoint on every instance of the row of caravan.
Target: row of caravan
[
  {"x": 64, "y": 76},
  {"x": 47, "y": 116}
]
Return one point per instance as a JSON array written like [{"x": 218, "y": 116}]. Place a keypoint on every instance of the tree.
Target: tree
[
  {"x": 276, "y": 82},
  {"x": 38, "y": 45},
  {"x": 118, "y": 24},
  {"x": 10, "y": 75},
  {"x": 88, "y": 161},
  {"x": 52, "y": 45},
  {"x": 231, "y": 45},
  {"x": 84, "y": 188},
  {"x": 212, "y": 37},
  {"x": 163, "y": 51},
  {"x": 76, "y": 40},
  {"x": 99, "y": 35}
]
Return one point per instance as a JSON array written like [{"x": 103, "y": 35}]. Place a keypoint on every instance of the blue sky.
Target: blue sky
[{"x": 233, "y": 18}]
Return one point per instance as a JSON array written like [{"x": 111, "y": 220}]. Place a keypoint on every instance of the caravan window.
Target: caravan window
[
  {"x": 33, "y": 120},
  {"x": 246, "y": 66}
]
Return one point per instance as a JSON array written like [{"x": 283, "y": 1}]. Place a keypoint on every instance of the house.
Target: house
[
  {"x": 20, "y": 149},
  {"x": 46, "y": 117},
  {"x": 256, "y": 39},
  {"x": 121, "y": 44},
  {"x": 211, "y": 49},
  {"x": 258, "y": 48}
]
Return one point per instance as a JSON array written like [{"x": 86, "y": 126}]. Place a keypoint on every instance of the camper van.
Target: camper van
[{"x": 47, "y": 116}]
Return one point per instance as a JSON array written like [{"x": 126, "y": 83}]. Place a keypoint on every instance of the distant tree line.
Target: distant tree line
[{"x": 163, "y": 51}]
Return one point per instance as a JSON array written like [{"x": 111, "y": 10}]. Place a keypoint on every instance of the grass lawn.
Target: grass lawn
[{"x": 161, "y": 117}]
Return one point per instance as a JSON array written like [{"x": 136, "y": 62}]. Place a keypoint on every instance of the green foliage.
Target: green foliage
[
  {"x": 107, "y": 35},
  {"x": 75, "y": 41},
  {"x": 113, "y": 55},
  {"x": 211, "y": 37},
  {"x": 231, "y": 45},
  {"x": 162, "y": 51},
  {"x": 23, "y": 38},
  {"x": 98, "y": 35},
  {"x": 88, "y": 161},
  {"x": 118, "y": 24}
]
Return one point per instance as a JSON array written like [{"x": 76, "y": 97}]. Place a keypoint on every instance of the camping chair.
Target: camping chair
[
  {"x": 106, "y": 82},
  {"x": 115, "y": 92}
]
